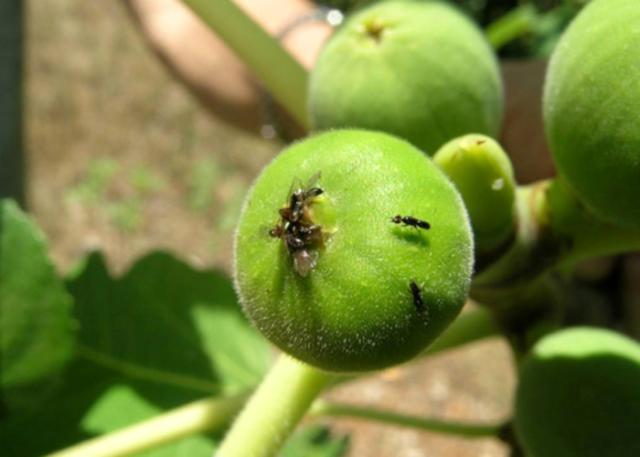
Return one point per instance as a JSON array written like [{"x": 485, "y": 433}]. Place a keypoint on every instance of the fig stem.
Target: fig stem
[
  {"x": 274, "y": 410},
  {"x": 553, "y": 230},
  {"x": 473, "y": 325},
  {"x": 199, "y": 416},
  {"x": 283, "y": 76},
  {"x": 589, "y": 237},
  {"x": 466, "y": 430}
]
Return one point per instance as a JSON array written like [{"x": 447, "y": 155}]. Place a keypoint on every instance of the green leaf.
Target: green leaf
[
  {"x": 168, "y": 324},
  {"x": 36, "y": 327},
  {"x": 91, "y": 401},
  {"x": 315, "y": 441},
  {"x": 157, "y": 338}
]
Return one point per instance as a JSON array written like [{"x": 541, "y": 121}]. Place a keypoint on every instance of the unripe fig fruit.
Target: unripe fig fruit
[
  {"x": 420, "y": 70},
  {"x": 390, "y": 270},
  {"x": 579, "y": 395},
  {"x": 592, "y": 108},
  {"x": 482, "y": 173}
]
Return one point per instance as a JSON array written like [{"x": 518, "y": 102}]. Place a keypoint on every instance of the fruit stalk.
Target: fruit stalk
[
  {"x": 554, "y": 229},
  {"x": 203, "y": 415},
  {"x": 281, "y": 74},
  {"x": 274, "y": 410},
  {"x": 587, "y": 235},
  {"x": 470, "y": 326}
]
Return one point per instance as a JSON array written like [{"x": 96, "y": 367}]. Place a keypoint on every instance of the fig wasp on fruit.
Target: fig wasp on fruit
[
  {"x": 416, "y": 293},
  {"x": 299, "y": 197},
  {"x": 300, "y": 235},
  {"x": 411, "y": 221}
]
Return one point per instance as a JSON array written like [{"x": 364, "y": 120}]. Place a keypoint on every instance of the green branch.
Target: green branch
[
  {"x": 516, "y": 23},
  {"x": 274, "y": 410},
  {"x": 464, "y": 430},
  {"x": 554, "y": 229},
  {"x": 282, "y": 75},
  {"x": 196, "y": 417},
  {"x": 582, "y": 235},
  {"x": 470, "y": 326}
]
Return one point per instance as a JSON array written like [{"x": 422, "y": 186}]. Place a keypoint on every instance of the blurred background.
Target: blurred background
[{"x": 121, "y": 157}]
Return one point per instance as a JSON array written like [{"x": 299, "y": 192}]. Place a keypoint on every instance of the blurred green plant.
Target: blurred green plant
[
  {"x": 124, "y": 212},
  {"x": 202, "y": 182},
  {"x": 92, "y": 188}
]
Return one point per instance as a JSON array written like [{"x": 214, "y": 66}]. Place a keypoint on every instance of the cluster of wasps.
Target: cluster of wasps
[
  {"x": 302, "y": 237},
  {"x": 296, "y": 229}
]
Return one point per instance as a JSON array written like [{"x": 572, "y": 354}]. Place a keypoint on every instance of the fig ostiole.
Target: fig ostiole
[{"x": 363, "y": 261}]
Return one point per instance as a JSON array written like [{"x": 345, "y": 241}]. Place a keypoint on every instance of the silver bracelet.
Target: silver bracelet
[
  {"x": 271, "y": 128},
  {"x": 331, "y": 16}
]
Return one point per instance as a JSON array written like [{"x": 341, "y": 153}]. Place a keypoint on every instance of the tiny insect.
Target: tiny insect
[
  {"x": 299, "y": 197},
  {"x": 304, "y": 261},
  {"x": 291, "y": 241},
  {"x": 416, "y": 293},
  {"x": 411, "y": 221},
  {"x": 297, "y": 236},
  {"x": 300, "y": 235},
  {"x": 311, "y": 234}
]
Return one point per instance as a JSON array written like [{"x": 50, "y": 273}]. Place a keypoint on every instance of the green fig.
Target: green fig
[
  {"x": 482, "y": 173},
  {"x": 592, "y": 108},
  {"x": 420, "y": 70},
  {"x": 579, "y": 395},
  {"x": 363, "y": 261}
]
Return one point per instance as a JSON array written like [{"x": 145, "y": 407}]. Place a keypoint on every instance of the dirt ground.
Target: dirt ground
[{"x": 123, "y": 159}]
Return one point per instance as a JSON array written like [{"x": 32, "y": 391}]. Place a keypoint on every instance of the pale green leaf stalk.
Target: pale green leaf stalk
[
  {"x": 483, "y": 175},
  {"x": 203, "y": 415},
  {"x": 282, "y": 75}
]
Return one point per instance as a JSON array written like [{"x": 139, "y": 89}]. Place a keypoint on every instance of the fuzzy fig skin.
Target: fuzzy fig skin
[
  {"x": 356, "y": 310},
  {"x": 482, "y": 173},
  {"x": 419, "y": 70},
  {"x": 578, "y": 395},
  {"x": 592, "y": 109}
]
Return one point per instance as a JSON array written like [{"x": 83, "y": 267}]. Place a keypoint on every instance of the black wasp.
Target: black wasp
[
  {"x": 416, "y": 293},
  {"x": 411, "y": 221},
  {"x": 299, "y": 198},
  {"x": 296, "y": 229}
]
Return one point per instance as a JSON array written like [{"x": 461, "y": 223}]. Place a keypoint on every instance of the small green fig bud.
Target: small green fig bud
[
  {"x": 483, "y": 175},
  {"x": 361, "y": 263},
  {"x": 592, "y": 107},
  {"x": 419, "y": 70},
  {"x": 579, "y": 395}
]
